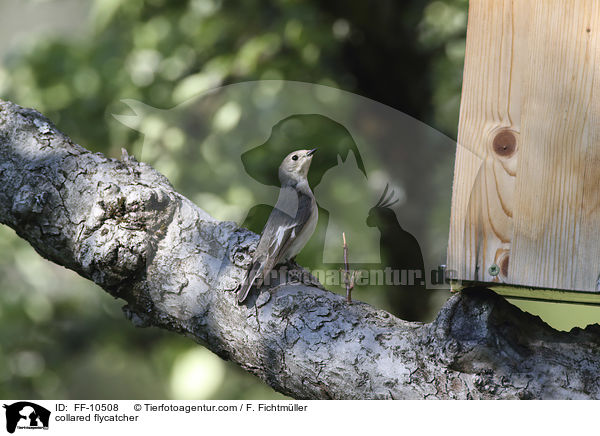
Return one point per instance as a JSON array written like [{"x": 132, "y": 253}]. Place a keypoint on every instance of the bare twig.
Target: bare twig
[{"x": 348, "y": 279}]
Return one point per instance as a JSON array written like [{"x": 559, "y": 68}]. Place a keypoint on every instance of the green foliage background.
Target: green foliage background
[{"x": 61, "y": 336}]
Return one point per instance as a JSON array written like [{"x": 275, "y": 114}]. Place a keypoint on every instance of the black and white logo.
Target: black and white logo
[{"x": 26, "y": 415}]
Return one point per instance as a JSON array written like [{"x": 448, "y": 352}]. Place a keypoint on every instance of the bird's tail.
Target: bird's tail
[{"x": 253, "y": 274}]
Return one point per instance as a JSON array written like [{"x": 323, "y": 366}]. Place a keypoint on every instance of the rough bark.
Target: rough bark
[{"x": 122, "y": 225}]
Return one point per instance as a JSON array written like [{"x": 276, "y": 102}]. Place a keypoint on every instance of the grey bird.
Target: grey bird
[{"x": 290, "y": 225}]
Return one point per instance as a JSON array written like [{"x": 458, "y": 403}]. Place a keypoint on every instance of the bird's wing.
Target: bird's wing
[{"x": 286, "y": 221}]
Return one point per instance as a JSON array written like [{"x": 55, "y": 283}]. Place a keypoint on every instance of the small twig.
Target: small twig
[{"x": 348, "y": 281}]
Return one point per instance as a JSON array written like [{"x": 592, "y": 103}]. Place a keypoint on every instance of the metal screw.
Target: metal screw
[{"x": 494, "y": 269}]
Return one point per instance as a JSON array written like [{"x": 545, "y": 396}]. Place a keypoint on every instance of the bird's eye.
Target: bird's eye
[{"x": 295, "y": 157}]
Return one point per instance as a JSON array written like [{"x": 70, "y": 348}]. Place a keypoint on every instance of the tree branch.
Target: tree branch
[{"x": 122, "y": 225}]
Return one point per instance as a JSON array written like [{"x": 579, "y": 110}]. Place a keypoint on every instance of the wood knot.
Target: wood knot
[
  {"x": 504, "y": 265},
  {"x": 505, "y": 143}
]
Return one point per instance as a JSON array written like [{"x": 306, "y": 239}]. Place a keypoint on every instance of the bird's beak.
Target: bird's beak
[{"x": 310, "y": 153}]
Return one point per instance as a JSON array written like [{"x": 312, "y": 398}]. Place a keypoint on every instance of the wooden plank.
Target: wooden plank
[
  {"x": 481, "y": 220},
  {"x": 540, "y": 294},
  {"x": 526, "y": 195}
]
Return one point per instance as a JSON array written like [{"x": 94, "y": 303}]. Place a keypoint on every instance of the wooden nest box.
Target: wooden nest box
[{"x": 526, "y": 195}]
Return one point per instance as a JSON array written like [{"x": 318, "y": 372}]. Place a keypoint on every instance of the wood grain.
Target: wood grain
[{"x": 526, "y": 196}]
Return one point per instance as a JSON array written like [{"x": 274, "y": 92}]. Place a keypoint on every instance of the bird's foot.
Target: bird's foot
[
  {"x": 291, "y": 264},
  {"x": 301, "y": 276},
  {"x": 295, "y": 274}
]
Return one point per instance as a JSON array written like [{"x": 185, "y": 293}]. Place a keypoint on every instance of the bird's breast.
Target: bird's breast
[{"x": 304, "y": 235}]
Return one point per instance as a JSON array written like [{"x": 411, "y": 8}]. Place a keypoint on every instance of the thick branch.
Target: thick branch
[{"x": 122, "y": 225}]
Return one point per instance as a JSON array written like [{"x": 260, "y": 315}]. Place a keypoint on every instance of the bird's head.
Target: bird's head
[{"x": 295, "y": 165}]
